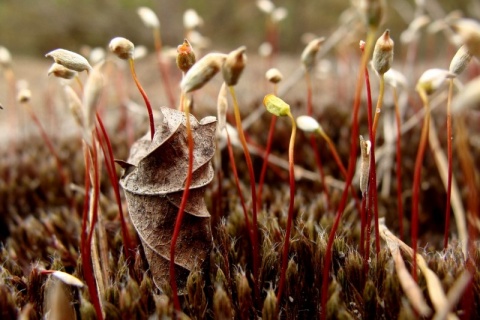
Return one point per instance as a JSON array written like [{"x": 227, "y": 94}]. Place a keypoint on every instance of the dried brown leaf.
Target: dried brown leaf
[{"x": 154, "y": 181}]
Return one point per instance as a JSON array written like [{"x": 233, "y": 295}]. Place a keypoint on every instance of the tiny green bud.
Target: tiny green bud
[
  {"x": 460, "y": 60},
  {"x": 310, "y": 51},
  {"x": 70, "y": 60},
  {"x": 122, "y": 47},
  {"x": 202, "y": 71},
  {"x": 185, "y": 56},
  {"x": 383, "y": 53},
  {"x": 276, "y": 106},
  {"x": 234, "y": 65},
  {"x": 60, "y": 71},
  {"x": 273, "y": 75},
  {"x": 149, "y": 18}
]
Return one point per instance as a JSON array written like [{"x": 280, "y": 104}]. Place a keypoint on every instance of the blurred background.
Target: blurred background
[{"x": 32, "y": 27}]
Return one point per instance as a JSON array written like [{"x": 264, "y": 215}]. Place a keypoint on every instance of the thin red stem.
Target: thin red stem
[
  {"x": 237, "y": 184},
  {"x": 291, "y": 164},
  {"x": 255, "y": 243},
  {"x": 86, "y": 236},
  {"x": 350, "y": 172},
  {"x": 399, "y": 164},
  {"x": 417, "y": 179},
  {"x": 145, "y": 98},
  {"x": 128, "y": 247},
  {"x": 449, "y": 170},
  {"x": 181, "y": 209}
]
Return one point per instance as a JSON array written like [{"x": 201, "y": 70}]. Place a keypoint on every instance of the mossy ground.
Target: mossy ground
[{"x": 40, "y": 228}]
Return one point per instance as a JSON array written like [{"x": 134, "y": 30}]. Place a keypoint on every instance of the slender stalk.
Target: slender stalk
[
  {"x": 128, "y": 246},
  {"x": 291, "y": 164},
  {"x": 90, "y": 156},
  {"x": 417, "y": 178},
  {"x": 255, "y": 244},
  {"x": 449, "y": 170},
  {"x": 350, "y": 172},
  {"x": 373, "y": 197},
  {"x": 237, "y": 184},
  {"x": 399, "y": 163},
  {"x": 268, "y": 147},
  {"x": 161, "y": 66},
  {"x": 145, "y": 98},
  {"x": 183, "y": 203},
  {"x": 379, "y": 104}
]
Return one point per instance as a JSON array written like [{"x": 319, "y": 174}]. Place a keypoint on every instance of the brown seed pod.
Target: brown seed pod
[{"x": 153, "y": 181}]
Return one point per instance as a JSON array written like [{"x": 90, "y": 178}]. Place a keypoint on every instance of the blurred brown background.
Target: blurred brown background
[{"x": 32, "y": 27}]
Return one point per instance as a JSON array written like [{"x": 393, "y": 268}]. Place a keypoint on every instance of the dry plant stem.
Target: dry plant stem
[
  {"x": 255, "y": 244},
  {"x": 84, "y": 247},
  {"x": 183, "y": 203},
  {"x": 313, "y": 141},
  {"x": 128, "y": 246},
  {"x": 237, "y": 184},
  {"x": 291, "y": 162},
  {"x": 456, "y": 200},
  {"x": 449, "y": 157},
  {"x": 145, "y": 98},
  {"x": 373, "y": 197},
  {"x": 378, "y": 109},
  {"x": 161, "y": 66},
  {"x": 370, "y": 194},
  {"x": 350, "y": 172},
  {"x": 399, "y": 163},
  {"x": 417, "y": 178}
]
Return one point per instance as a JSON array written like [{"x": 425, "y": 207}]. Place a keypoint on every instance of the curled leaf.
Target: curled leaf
[{"x": 153, "y": 181}]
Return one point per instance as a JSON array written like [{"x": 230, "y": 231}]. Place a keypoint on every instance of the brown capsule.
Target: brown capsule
[
  {"x": 60, "y": 71},
  {"x": 460, "y": 60},
  {"x": 122, "y": 47},
  {"x": 69, "y": 59},
  {"x": 383, "y": 53},
  {"x": 234, "y": 65},
  {"x": 310, "y": 52},
  {"x": 202, "y": 71},
  {"x": 185, "y": 56}
]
